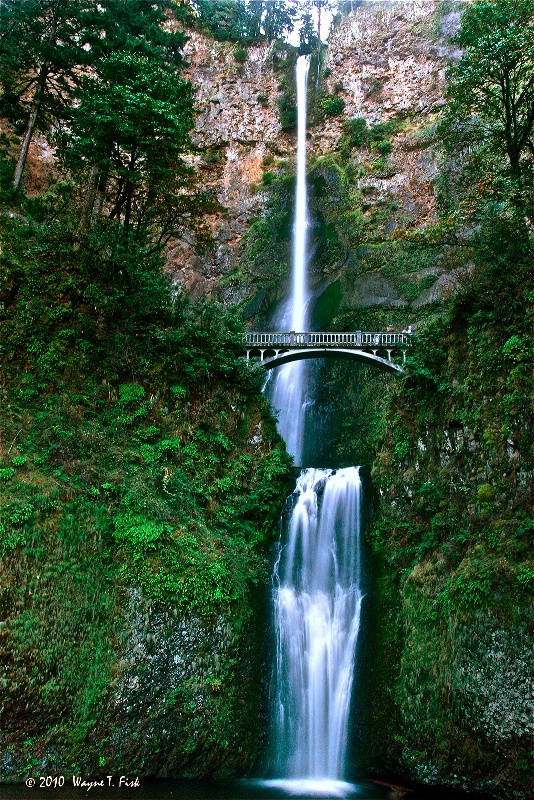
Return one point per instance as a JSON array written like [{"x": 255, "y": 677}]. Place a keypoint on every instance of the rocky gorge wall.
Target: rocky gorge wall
[
  {"x": 386, "y": 61},
  {"x": 451, "y": 673}
]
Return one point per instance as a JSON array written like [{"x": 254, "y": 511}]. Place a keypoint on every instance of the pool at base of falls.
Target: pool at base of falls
[{"x": 317, "y": 787}]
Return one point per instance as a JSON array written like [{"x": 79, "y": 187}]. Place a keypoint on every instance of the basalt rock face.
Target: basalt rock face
[
  {"x": 386, "y": 62},
  {"x": 451, "y": 701},
  {"x": 181, "y": 681},
  {"x": 238, "y": 125},
  {"x": 181, "y": 702}
]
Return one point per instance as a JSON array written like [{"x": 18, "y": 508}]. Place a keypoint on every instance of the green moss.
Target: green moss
[
  {"x": 129, "y": 463},
  {"x": 326, "y": 307}
]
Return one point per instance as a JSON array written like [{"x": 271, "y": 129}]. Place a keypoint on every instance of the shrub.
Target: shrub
[
  {"x": 485, "y": 493},
  {"x": 357, "y": 131},
  {"x": 383, "y": 147},
  {"x": 288, "y": 111},
  {"x": 333, "y": 106}
]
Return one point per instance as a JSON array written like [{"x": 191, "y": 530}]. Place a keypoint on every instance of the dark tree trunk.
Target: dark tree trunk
[
  {"x": 89, "y": 199},
  {"x": 28, "y": 135},
  {"x": 101, "y": 191}
]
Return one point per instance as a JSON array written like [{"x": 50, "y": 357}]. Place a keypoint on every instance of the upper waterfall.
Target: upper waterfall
[
  {"x": 286, "y": 390},
  {"x": 300, "y": 229}
]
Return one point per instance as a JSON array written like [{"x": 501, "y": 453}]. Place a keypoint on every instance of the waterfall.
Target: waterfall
[
  {"x": 287, "y": 388},
  {"x": 300, "y": 230},
  {"x": 317, "y": 589},
  {"x": 317, "y": 579}
]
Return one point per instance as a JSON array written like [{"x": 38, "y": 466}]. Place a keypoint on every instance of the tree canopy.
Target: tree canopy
[
  {"x": 47, "y": 46},
  {"x": 246, "y": 21},
  {"x": 103, "y": 80},
  {"x": 491, "y": 88},
  {"x": 126, "y": 139},
  {"x": 42, "y": 48}
]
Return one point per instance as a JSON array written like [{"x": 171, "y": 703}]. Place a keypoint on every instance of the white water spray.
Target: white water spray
[
  {"x": 287, "y": 388},
  {"x": 317, "y": 602}
]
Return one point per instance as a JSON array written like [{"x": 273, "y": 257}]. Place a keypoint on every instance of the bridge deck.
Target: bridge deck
[{"x": 326, "y": 339}]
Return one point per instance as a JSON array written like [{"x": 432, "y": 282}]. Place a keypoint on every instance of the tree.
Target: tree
[
  {"x": 247, "y": 20},
  {"x": 322, "y": 5},
  {"x": 278, "y": 18},
  {"x": 127, "y": 137},
  {"x": 42, "y": 49},
  {"x": 307, "y": 35},
  {"x": 226, "y": 20},
  {"x": 491, "y": 88},
  {"x": 46, "y": 46},
  {"x": 139, "y": 27}
]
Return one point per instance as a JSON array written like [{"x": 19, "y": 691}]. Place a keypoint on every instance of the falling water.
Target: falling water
[
  {"x": 287, "y": 386},
  {"x": 317, "y": 601},
  {"x": 298, "y": 300},
  {"x": 317, "y": 582}
]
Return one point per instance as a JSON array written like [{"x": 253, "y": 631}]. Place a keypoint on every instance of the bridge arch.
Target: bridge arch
[
  {"x": 287, "y": 356},
  {"x": 273, "y": 349}
]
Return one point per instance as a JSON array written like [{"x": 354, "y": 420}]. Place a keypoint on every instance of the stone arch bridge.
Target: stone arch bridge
[{"x": 382, "y": 350}]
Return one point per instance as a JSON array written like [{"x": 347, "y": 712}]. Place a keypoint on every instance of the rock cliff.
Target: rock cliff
[
  {"x": 387, "y": 62},
  {"x": 238, "y": 124}
]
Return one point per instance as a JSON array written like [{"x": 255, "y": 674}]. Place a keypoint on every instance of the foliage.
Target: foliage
[
  {"x": 359, "y": 134},
  {"x": 126, "y": 460},
  {"x": 41, "y": 50},
  {"x": 288, "y": 111},
  {"x": 116, "y": 319},
  {"x": 332, "y": 105},
  {"x": 121, "y": 114},
  {"x": 453, "y": 466},
  {"x": 47, "y": 46},
  {"x": 127, "y": 135},
  {"x": 269, "y": 234},
  {"x": 490, "y": 89},
  {"x": 240, "y": 55},
  {"x": 246, "y": 21},
  {"x": 466, "y": 380},
  {"x": 307, "y": 35}
]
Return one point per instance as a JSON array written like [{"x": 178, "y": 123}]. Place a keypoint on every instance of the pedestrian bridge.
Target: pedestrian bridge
[{"x": 382, "y": 350}]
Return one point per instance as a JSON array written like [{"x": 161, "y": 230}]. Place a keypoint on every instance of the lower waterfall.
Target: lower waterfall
[{"x": 317, "y": 593}]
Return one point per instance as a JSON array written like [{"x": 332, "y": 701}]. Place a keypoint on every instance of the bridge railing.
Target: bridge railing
[{"x": 326, "y": 339}]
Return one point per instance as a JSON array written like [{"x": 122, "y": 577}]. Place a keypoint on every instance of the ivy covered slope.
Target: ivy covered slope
[
  {"x": 141, "y": 474},
  {"x": 140, "y": 483},
  {"x": 454, "y": 534}
]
